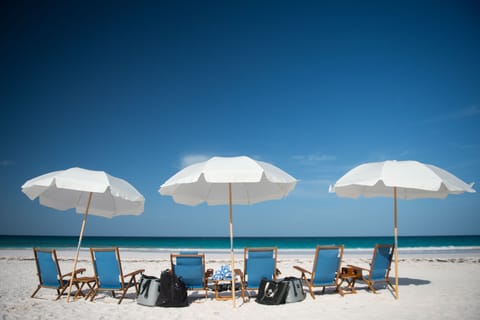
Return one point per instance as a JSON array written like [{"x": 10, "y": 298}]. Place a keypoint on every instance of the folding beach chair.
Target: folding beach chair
[
  {"x": 48, "y": 271},
  {"x": 107, "y": 267},
  {"x": 190, "y": 268},
  {"x": 326, "y": 268},
  {"x": 379, "y": 267},
  {"x": 259, "y": 263}
]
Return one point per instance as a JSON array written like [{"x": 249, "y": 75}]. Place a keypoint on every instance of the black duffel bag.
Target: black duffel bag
[{"x": 272, "y": 292}]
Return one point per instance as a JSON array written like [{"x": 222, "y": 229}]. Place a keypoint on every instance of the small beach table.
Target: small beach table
[
  {"x": 349, "y": 275},
  {"x": 222, "y": 297},
  {"x": 90, "y": 282}
]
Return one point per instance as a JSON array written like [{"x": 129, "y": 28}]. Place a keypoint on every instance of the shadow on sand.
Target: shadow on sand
[
  {"x": 411, "y": 282},
  {"x": 402, "y": 282}
]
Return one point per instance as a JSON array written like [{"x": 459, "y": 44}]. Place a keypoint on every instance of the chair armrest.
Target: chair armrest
[
  {"x": 277, "y": 272},
  {"x": 208, "y": 273},
  {"x": 240, "y": 273},
  {"x": 134, "y": 273},
  {"x": 81, "y": 270},
  {"x": 302, "y": 270}
]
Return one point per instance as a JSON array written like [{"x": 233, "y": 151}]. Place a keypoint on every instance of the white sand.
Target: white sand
[{"x": 445, "y": 286}]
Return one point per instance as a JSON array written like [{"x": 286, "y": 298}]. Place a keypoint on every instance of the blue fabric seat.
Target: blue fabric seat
[
  {"x": 326, "y": 268},
  {"x": 190, "y": 268},
  {"x": 108, "y": 272},
  {"x": 49, "y": 274},
  {"x": 259, "y": 263}
]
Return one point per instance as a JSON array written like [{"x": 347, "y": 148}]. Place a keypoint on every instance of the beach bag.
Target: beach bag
[
  {"x": 295, "y": 290},
  {"x": 173, "y": 292},
  {"x": 149, "y": 290},
  {"x": 272, "y": 292}
]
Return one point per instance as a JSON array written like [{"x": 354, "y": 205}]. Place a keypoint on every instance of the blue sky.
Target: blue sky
[{"x": 142, "y": 88}]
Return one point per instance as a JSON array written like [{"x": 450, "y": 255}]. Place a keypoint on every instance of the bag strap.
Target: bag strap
[
  {"x": 145, "y": 287},
  {"x": 294, "y": 288}
]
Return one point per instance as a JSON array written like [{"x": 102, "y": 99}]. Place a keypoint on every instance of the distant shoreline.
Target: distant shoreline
[{"x": 413, "y": 244}]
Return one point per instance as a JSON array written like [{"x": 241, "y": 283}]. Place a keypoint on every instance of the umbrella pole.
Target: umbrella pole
[
  {"x": 231, "y": 243},
  {"x": 78, "y": 246},
  {"x": 396, "y": 240}
]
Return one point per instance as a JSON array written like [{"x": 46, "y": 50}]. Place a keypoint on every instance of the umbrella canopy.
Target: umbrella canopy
[
  {"x": 412, "y": 179},
  {"x": 86, "y": 191},
  {"x": 228, "y": 180},
  {"x": 70, "y": 189},
  {"x": 399, "y": 179},
  {"x": 252, "y": 182}
]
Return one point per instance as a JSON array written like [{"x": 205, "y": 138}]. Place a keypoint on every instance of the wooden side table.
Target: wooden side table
[
  {"x": 91, "y": 282},
  {"x": 217, "y": 284},
  {"x": 223, "y": 297},
  {"x": 350, "y": 275}
]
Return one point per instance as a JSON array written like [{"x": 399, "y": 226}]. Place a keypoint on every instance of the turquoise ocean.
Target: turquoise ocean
[{"x": 470, "y": 242}]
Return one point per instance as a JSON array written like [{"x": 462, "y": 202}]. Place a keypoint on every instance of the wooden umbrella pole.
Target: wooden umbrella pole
[
  {"x": 231, "y": 243},
  {"x": 396, "y": 240},
  {"x": 78, "y": 246}
]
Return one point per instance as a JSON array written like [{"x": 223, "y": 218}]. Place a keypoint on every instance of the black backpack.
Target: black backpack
[{"x": 173, "y": 292}]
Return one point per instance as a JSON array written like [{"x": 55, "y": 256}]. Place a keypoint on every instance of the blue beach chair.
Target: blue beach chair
[
  {"x": 107, "y": 267},
  {"x": 48, "y": 271},
  {"x": 190, "y": 268},
  {"x": 379, "y": 267},
  {"x": 326, "y": 268},
  {"x": 259, "y": 263}
]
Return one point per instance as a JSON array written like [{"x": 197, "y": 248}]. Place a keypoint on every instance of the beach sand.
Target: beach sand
[{"x": 432, "y": 286}]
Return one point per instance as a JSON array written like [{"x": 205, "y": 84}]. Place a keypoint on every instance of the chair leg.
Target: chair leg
[
  {"x": 338, "y": 287},
  {"x": 387, "y": 280},
  {"x": 133, "y": 283},
  {"x": 124, "y": 292},
  {"x": 60, "y": 292},
  {"x": 38, "y": 288},
  {"x": 137, "y": 284},
  {"x": 310, "y": 288},
  {"x": 242, "y": 288},
  {"x": 309, "y": 285},
  {"x": 94, "y": 293}
]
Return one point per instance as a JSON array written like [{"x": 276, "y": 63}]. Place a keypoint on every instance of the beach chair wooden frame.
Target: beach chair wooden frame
[
  {"x": 110, "y": 277},
  {"x": 325, "y": 273},
  {"x": 246, "y": 281},
  {"x": 191, "y": 284},
  {"x": 378, "y": 272},
  {"x": 47, "y": 277}
]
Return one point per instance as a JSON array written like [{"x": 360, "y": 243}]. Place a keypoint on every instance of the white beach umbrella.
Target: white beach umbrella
[
  {"x": 86, "y": 191},
  {"x": 228, "y": 180},
  {"x": 402, "y": 180}
]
